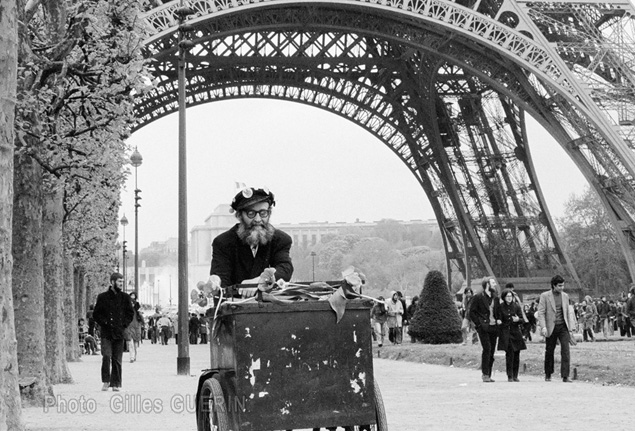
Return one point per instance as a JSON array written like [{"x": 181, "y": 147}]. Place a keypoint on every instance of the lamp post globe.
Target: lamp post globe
[
  {"x": 136, "y": 160},
  {"x": 124, "y": 223}
]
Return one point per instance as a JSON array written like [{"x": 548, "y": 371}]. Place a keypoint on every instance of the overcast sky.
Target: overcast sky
[{"x": 320, "y": 167}]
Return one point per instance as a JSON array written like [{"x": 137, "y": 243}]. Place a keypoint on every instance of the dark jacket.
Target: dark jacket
[
  {"x": 379, "y": 313},
  {"x": 604, "y": 308},
  {"x": 510, "y": 334},
  {"x": 233, "y": 261},
  {"x": 411, "y": 310},
  {"x": 113, "y": 313},
  {"x": 479, "y": 310},
  {"x": 194, "y": 324},
  {"x": 630, "y": 308}
]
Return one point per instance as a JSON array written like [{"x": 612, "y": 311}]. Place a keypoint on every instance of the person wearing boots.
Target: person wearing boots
[
  {"x": 556, "y": 323},
  {"x": 113, "y": 313},
  {"x": 484, "y": 312},
  {"x": 511, "y": 339}
]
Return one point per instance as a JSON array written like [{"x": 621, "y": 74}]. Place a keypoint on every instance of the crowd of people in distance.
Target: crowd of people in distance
[
  {"x": 163, "y": 327},
  {"x": 390, "y": 317},
  {"x": 158, "y": 327},
  {"x": 606, "y": 317}
]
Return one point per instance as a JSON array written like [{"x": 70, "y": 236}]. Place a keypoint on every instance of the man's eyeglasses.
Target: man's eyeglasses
[{"x": 261, "y": 213}]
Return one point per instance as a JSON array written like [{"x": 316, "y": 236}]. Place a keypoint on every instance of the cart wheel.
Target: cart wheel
[
  {"x": 382, "y": 423},
  {"x": 212, "y": 412},
  {"x": 380, "y": 413}
]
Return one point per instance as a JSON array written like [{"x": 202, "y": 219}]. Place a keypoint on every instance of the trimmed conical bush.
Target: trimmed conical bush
[{"x": 436, "y": 320}]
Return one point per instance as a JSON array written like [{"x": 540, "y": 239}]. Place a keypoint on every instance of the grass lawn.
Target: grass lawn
[{"x": 609, "y": 362}]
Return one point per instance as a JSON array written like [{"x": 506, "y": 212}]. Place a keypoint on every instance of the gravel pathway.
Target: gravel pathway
[{"x": 416, "y": 397}]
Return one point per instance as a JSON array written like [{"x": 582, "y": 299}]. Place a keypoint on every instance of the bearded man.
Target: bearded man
[{"x": 241, "y": 254}]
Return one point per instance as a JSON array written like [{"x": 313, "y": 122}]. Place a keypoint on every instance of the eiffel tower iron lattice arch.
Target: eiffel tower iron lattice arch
[{"x": 446, "y": 86}]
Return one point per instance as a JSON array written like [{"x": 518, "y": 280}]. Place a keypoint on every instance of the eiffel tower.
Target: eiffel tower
[{"x": 447, "y": 86}]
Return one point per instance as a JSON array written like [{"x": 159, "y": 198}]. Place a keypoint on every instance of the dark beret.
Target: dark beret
[{"x": 250, "y": 196}]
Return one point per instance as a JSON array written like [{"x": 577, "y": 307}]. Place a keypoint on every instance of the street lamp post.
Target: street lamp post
[
  {"x": 313, "y": 257},
  {"x": 170, "y": 290},
  {"x": 183, "y": 358},
  {"x": 124, "y": 223},
  {"x": 136, "y": 160}
]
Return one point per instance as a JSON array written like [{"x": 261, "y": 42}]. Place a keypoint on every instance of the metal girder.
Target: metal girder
[{"x": 446, "y": 86}]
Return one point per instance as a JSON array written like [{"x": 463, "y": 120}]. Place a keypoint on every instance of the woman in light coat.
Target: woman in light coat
[{"x": 395, "y": 313}]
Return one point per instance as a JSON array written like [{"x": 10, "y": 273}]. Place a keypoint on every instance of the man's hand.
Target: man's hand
[
  {"x": 247, "y": 292},
  {"x": 543, "y": 331},
  {"x": 213, "y": 284}
]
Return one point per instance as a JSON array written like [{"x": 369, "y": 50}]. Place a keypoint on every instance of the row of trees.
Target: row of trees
[
  {"x": 68, "y": 84},
  {"x": 591, "y": 242}
]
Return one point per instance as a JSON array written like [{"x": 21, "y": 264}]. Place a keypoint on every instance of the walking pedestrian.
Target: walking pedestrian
[
  {"x": 395, "y": 313},
  {"x": 152, "y": 328},
  {"x": 511, "y": 339},
  {"x": 623, "y": 320},
  {"x": 410, "y": 312},
  {"x": 379, "y": 316},
  {"x": 194, "y": 325},
  {"x": 134, "y": 329},
  {"x": 404, "y": 317},
  {"x": 630, "y": 306},
  {"x": 82, "y": 329},
  {"x": 175, "y": 327},
  {"x": 484, "y": 311},
  {"x": 203, "y": 328},
  {"x": 556, "y": 323},
  {"x": 164, "y": 324},
  {"x": 604, "y": 309},
  {"x": 91, "y": 320},
  {"x": 113, "y": 313},
  {"x": 467, "y": 326},
  {"x": 586, "y": 321}
]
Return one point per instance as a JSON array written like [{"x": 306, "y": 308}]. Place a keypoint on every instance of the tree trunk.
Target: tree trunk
[
  {"x": 70, "y": 314},
  {"x": 52, "y": 215},
  {"x": 10, "y": 408},
  {"x": 28, "y": 276}
]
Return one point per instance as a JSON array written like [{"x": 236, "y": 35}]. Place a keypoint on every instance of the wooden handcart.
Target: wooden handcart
[{"x": 289, "y": 367}]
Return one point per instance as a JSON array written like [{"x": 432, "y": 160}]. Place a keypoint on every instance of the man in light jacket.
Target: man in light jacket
[{"x": 556, "y": 323}]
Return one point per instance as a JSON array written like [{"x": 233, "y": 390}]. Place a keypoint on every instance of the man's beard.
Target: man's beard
[{"x": 259, "y": 234}]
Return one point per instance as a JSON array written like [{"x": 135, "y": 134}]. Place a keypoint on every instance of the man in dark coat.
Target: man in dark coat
[
  {"x": 241, "y": 254},
  {"x": 113, "y": 313},
  {"x": 484, "y": 312}
]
